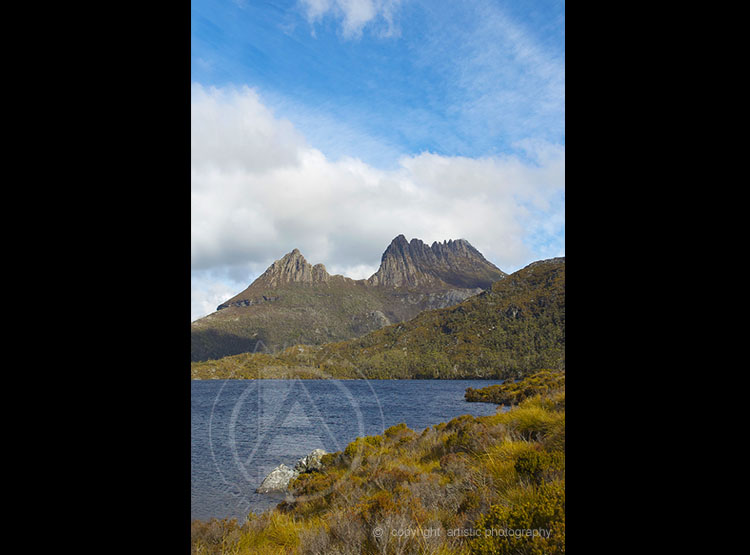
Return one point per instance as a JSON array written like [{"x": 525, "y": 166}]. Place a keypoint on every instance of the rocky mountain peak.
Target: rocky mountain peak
[
  {"x": 293, "y": 268},
  {"x": 452, "y": 262}
]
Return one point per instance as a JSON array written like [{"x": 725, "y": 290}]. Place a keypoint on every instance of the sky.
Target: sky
[{"x": 333, "y": 126}]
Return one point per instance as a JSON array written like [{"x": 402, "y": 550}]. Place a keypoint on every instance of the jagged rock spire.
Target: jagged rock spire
[
  {"x": 414, "y": 263},
  {"x": 293, "y": 268}
]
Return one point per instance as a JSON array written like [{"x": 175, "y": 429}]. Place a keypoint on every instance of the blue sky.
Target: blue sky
[{"x": 360, "y": 97}]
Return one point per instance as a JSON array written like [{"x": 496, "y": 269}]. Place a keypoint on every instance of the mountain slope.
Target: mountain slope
[
  {"x": 516, "y": 327},
  {"x": 294, "y": 302}
]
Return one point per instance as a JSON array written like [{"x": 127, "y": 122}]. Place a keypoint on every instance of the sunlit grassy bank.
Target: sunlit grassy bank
[
  {"x": 493, "y": 484},
  {"x": 512, "y": 392}
]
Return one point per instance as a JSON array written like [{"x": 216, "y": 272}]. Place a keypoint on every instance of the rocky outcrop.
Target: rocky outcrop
[
  {"x": 380, "y": 319},
  {"x": 449, "y": 298},
  {"x": 248, "y": 302},
  {"x": 293, "y": 268},
  {"x": 278, "y": 479},
  {"x": 450, "y": 263},
  {"x": 311, "y": 462}
]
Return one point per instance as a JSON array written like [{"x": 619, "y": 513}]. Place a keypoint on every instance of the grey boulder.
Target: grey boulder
[
  {"x": 311, "y": 462},
  {"x": 278, "y": 479}
]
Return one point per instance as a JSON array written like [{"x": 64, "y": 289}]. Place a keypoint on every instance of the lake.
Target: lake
[{"x": 243, "y": 429}]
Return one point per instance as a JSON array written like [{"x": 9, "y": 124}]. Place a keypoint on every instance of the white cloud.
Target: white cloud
[
  {"x": 359, "y": 271},
  {"x": 260, "y": 190},
  {"x": 232, "y": 130},
  {"x": 354, "y": 14}
]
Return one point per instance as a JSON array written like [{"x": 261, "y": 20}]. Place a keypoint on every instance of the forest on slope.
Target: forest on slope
[{"x": 515, "y": 328}]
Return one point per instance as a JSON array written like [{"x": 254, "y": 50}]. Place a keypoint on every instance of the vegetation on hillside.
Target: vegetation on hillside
[
  {"x": 515, "y": 328},
  {"x": 299, "y": 313},
  {"x": 493, "y": 484},
  {"x": 512, "y": 393}
]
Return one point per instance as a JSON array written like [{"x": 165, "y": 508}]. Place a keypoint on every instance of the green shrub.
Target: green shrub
[
  {"x": 513, "y": 393},
  {"x": 538, "y": 466},
  {"x": 540, "y": 509}
]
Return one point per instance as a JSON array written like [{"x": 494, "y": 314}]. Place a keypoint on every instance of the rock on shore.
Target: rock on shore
[{"x": 278, "y": 479}]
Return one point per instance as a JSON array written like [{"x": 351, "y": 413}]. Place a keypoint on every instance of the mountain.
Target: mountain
[
  {"x": 294, "y": 302},
  {"x": 514, "y": 328},
  {"x": 451, "y": 263}
]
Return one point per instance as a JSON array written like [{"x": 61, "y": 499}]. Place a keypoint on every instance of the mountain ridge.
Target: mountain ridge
[
  {"x": 514, "y": 328},
  {"x": 403, "y": 264},
  {"x": 294, "y": 301}
]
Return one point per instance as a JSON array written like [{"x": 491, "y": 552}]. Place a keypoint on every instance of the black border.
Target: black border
[{"x": 120, "y": 172}]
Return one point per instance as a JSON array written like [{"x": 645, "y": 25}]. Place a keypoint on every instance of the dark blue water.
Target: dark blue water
[{"x": 242, "y": 429}]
